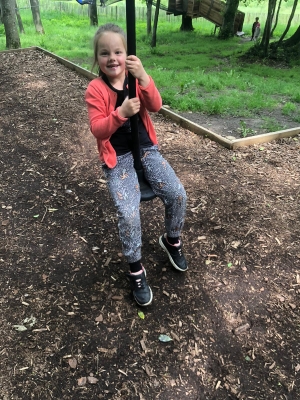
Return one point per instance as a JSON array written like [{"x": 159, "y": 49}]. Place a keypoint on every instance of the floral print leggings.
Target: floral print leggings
[{"x": 124, "y": 188}]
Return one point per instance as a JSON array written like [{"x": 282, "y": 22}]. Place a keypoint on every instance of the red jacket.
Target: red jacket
[{"x": 105, "y": 120}]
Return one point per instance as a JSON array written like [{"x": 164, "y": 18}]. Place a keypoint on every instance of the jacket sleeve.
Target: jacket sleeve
[
  {"x": 103, "y": 122},
  {"x": 150, "y": 96}
]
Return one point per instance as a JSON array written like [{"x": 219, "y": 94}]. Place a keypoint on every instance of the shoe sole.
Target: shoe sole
[
  {"x": 169, "y": 255},
  {"x": 145, "y": 304}
]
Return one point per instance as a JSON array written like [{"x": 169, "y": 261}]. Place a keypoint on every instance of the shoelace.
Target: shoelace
[{"x": 139, "y": 283}]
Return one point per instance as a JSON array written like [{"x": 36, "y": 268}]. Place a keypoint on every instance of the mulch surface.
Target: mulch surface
[{"x": 70, "y": 328}]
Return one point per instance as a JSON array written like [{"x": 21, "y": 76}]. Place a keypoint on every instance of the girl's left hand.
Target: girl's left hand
[{"x": 135, "y": 67}]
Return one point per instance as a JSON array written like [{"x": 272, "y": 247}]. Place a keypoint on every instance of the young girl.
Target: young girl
[{"x": 109, "y": 110}]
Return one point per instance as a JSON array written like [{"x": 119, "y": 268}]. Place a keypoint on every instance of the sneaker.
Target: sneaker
[
  {"x": 175, "y": 254},
  {"x": 141, "y": 291}
]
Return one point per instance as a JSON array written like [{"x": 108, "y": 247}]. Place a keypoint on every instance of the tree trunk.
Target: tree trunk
[
  {"x": 149, "y": 16},
  {"x": 93, "y": 14},
  {"x": 264, "y": 45},
  {"x": 10, "y": 24},
  {"x": 289, "y": 23},
  {"x": 294, "y": 40},
  {"x": 20, "y": 23},
  {"x": 155, "y": 22},
  {"x": 276, "y": 18},
  {"x": 186, "y": 23},
  {"x": 35, "y": 9},
  {"x": 227, "y": 28}
]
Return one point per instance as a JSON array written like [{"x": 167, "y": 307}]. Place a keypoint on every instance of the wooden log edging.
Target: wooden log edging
[
  {"x": 183, "y": 122},
  {"x": 230, "y": 144}
]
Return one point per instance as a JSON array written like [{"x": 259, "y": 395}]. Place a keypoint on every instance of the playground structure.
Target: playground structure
[{"x": 212, "y": 10}]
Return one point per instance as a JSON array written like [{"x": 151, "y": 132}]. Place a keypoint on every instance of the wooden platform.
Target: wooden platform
[{"x": 212, "y": 10}]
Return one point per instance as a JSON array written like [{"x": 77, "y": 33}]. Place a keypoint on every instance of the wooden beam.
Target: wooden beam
[
  {"x": 200, "y": 130},
  {"x": 266, "y": 137}
]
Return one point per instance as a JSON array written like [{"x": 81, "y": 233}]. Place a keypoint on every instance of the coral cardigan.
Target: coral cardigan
[{"x": 105, "y": 119}]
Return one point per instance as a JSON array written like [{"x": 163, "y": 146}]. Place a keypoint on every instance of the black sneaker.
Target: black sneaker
[
  {"x": 175, "y": 254},
  {"x": 141, "y": 291}
]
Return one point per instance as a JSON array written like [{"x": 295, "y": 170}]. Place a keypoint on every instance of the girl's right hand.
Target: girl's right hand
[{"x": 129, "y": 107}]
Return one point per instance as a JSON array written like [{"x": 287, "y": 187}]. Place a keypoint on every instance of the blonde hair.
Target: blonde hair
[{"x": 106, "y": 28}]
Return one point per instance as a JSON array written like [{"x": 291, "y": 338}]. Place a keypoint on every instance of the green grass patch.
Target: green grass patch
[{"x": 194, "y": 71}]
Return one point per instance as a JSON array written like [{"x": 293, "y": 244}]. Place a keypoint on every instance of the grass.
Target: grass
[{"x": 194, "y": 71}]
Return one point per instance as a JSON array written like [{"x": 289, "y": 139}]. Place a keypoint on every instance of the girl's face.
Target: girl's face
[{"x": 111, "y": 56}]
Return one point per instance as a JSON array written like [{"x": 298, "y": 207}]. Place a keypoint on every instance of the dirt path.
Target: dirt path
[{"x": 233, "y": 317}]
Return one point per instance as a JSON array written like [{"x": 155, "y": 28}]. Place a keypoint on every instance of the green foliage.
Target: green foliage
[
  {"x": 289, "y": 108},
  {"x": 244, "y": 130},
  {"x": 194, "y": 71},
  {"x": 271, "y": 126}
]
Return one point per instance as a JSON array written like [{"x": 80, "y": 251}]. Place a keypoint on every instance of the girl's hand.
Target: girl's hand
[
  {"x": 129, "y": 107},
  {"x": 135, "y": 67}
]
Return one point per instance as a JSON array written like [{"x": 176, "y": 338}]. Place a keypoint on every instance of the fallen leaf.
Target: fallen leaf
[
  {"x": 235, "y": 244},
  {"x": 141, "y": 314},
  {"x": 72, "y": 363},
  {"x": 81, "y": 381},
  {"x": 92, "y": 380},
  {"x": 20, "y": 328},
  {"x": 99, "y": 318},
  {"x": 165, "y": 338}
]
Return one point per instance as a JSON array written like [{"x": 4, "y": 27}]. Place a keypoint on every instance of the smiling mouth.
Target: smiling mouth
[{"x": 112, "y": 66}]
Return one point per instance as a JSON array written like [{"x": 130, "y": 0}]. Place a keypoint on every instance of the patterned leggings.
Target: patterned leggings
[{"x": 124, "y": 188}]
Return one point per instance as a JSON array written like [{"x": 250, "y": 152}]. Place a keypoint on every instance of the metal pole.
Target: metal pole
[{"x": 146, "y": 191}]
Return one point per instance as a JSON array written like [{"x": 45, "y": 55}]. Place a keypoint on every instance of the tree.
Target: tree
[
  {"x": 289, "y": 23},
  {"x": 282, "y": 49},
  {"x": 289, "y": 48},
  {"x": 294, "y": 40},
  {"x": 153, "y": 41},
  {"x": 276, "y": 18},
  {"x": 149, "y": 15},
  {"x": 19, "y": 19},
  {"x": 35, "y": 10},
  {"x": 186, "y": 23},
  {"x": 10, "y": 24},
  {"x": 264, "y": 44},
  {"x": 93, "y": 14},
  {"x": 227, "y": 28}
]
